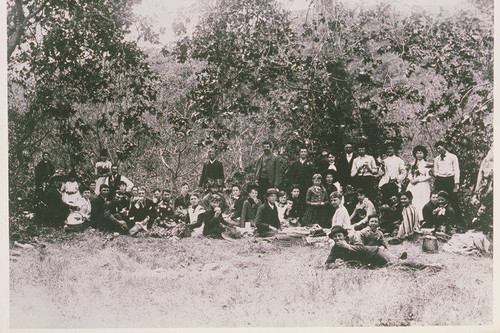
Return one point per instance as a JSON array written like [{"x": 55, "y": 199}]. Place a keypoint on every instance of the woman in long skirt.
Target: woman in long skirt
[
  {"x": 316, "y": 200},
  {"x": 419, "y": 177}
]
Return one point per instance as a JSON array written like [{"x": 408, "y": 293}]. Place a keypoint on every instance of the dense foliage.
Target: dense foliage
[{"x": 249, "y": 71}]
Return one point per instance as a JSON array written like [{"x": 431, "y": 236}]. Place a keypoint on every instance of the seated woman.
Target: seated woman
[
  {"x": 235, "y": 203},
  {"x": 372, "y": 235},
  {"x": 250, "y": 206},
  {"x": 267, "y": 220},
  {"x": 410, "y": 222},
  {"x": 297, "y": 211},
  {"x": 194, "y": 216},
  {"x": 282, "y": 206}
]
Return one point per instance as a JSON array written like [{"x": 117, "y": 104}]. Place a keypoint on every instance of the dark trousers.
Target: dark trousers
[
  {"x": 367, "y": 183},
  {"x": 448, "y": 184},
  {"x": 263, "y": 185}
]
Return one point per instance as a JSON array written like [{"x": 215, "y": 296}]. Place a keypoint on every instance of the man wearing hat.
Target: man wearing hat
[
  {"x": 267, "y": 220},
  {"x": 366, "y": 255}
]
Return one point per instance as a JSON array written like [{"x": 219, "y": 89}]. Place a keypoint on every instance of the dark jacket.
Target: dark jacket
[
  {"x": 359, "y": 254},
  {"x": 267, "y": 216},
  {"x": 272, "y": 167},
  {"x": 344, "y": 169},
  {"x": 427, "y": 212},
  {"x": 298, "y": 207},
  {"x": 55, "y": 209},
  {"x": 112, "y": 214},
  {"x": 182, "y": 201},
  {"x": 300, "y": 174},
  {"x": 212, "y": 172},
  {"x": 97, "y": 211},
  {"x": 212, "y": 225},
  {"x": 146, "y": 208},
  {"x": 249, "y": 211}
]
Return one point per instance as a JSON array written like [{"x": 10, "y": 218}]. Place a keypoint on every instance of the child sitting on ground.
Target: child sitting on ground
[{"x": 372, "y": 235}]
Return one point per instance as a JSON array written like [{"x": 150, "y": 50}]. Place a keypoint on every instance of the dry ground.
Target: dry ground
[{"x": 77, "y": 282}]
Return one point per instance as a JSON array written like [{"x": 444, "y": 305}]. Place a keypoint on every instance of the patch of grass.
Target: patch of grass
[{"x": 77, "y": 282}]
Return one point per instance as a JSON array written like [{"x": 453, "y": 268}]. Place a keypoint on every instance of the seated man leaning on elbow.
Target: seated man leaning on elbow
[{"x": 343, "y": 252}]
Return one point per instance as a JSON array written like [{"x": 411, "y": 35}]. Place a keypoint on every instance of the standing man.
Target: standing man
[
  {"x": 268, "y": 169},
  {"x": 394, "y": 173},
  {"x": 301, "y": 172},
  {"x": 43, "y": 171},
  {"x": 115, "y": 179},
  {"x": 213, "y": 172},
  {"x": 344, "y": 163},
  {"x": 364, "y": 169},
  {"x": 447, "y": 176}
]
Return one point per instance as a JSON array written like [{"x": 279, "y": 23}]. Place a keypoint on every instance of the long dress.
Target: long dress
[
  {"x": 315, "y": 214},
  {"x": 422, "y": 190}
]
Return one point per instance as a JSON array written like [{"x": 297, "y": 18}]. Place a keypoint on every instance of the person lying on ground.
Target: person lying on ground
[
  {"x": 343, "y": 253},
  {"x": 267, "y": 220},
  {"x": 372, "y": 235},
  {"x": 250, "y": 206}
]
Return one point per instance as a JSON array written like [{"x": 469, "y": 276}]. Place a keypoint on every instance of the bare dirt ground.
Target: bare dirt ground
[{"x": 76, "y": 281}]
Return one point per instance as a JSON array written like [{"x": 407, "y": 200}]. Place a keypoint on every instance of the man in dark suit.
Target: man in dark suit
[
  {"x": 267, "y": 220},
  {"x": 267, "y": 173},
  {"x": 43, "y": 171},
  {"x": 97, "y": 211},
  {"x": 213, "y": 172},
  {"x": 301, "y": 172},
  {"x": 115, "y": 214},
  {"x": 344, "y": 163}
]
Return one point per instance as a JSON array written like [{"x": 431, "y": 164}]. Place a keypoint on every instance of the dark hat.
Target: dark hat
[
  {"x": 422, "y": 149},
  {"x": 271, "y": 191},
  {"x": 336, "y": 229}
]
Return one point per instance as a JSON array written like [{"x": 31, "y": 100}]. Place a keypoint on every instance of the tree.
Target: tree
[{"x": 77, "y": 77}]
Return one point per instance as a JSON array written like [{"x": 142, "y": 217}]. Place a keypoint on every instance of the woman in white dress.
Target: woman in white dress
[{"x": 420, "y": 177}]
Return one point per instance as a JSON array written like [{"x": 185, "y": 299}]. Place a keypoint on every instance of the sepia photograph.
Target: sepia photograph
[{"x": 187, "y": 164}]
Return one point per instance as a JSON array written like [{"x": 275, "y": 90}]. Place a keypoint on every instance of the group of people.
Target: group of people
[{"x": 360, "y": 197}]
